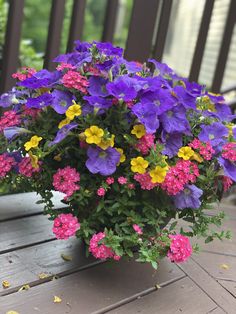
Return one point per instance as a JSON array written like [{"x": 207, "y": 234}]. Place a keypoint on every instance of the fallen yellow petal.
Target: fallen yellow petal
[
  {"x": 57, "y": 299},
  {"x": 12, "y": 312},
  {"x": 6, "y": 284},
  {"x": 224, "y": 266},
  {"x": 24, "y": 287},
  {"x": 43, "y": 275},
  {"x": 67, "y": 258}
]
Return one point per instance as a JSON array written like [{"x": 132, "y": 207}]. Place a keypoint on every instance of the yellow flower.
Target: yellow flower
[
  {"x": 139, "y": 165},
  {"x": 94, "y": 135},
  {"x": 34, "y": 160},
  {"x": 122, "y": 155},
  {"x": 158, "y": 174},
  {"x": 6, "y": 284},
  {"x": 138, "y": 130},
  {"x": 63, "y": 123},
  {"x": 73, "y": 111},
  {"x": 57, "y": 299},
  {"x": 105, "y": 143},
  {"x": 197, "y": 157},
  {"x": 12, "y": 312},
  {"x": 33, "y": 142},
  {"x": 230, "y": 127},
  {"x": 185, "y": 152}
]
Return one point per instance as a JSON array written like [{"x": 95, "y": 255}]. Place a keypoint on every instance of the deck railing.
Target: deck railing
[{"x": 140, "y": 42}]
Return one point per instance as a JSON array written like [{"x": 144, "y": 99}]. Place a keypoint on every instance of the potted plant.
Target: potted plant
[{"x": 129, "y": 148}]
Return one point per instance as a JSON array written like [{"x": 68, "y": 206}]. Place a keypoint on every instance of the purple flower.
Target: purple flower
[
  {"x": 61, "y": 101},
  {"x": 62, "y": 133},
  {"x": 102, "y": 161},
  {"x": 97, "y": 86},
  {"x": 214, "y": 133},
  {"x": 13, "y": 131},
  {"x": 172, "y": 143},
  {"x": 234, "y": 133},
  {"x": 123, "y": 88},
  {"x": 108, "y": 49},
  {"x": 40, "y": 101},
  {"x": 7, "y": 99},
  {"x": 175, "y": 120},
  {"x": 98, "y": 103},
  {"x": 147, "y": 115},
  {"x": 162, "y": 68},
  {"x": 74, "y": 58},
  {"x": 43, "y": 78},
  {"x": 184, "y": 96},
  {"x": 228, "y": 167},
  {"x": 188, "y": 198}
]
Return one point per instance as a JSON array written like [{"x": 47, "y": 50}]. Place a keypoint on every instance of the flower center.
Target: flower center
[
  {"x": 211, "y": 136},
  {"x": 102, "y": 154}
]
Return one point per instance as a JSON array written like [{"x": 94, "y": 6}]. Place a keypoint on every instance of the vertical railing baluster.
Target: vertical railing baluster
[
  {"x": 10, "y": 60},
  {"x": 110, "y": 20},
  {"x": 224, "y": 48},
  {"x": 77, "y": 23},
  {"x": 201, "y": 40},
  {"x": 162, "y": 29},
  {"x": 54, "y": 33},
  {"x": 143, "y": 18}
]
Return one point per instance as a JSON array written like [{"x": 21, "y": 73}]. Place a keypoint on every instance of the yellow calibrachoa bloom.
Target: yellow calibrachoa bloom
[
  {"x": 185, "y": 152},
  {"x": 158, "y": 174},
  {"x": 34, "y": 160},
  {"x": 122, "y": 155},
  {"x": 139, "y": 165},
  {"x": 94, "y": 135},
  {"x": 63, "y": 123},
  {"x": 138, "y": 130},
  {"x": 105, "y": 143},
  {"x": 230, "y": 127},
  {"x": 33, "y": 142},
  {"x": 197, "y": 157},
  {"x": 73, "y": 111}
]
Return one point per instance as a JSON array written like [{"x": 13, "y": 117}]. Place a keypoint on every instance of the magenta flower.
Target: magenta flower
[
  {"x": 100, "y": 250},
  {"x": 65, "y": 226},
  {"x": 180, "y": 248},
  {"x": 137, "y": 229},
  {"x": 66, "y": 181}
]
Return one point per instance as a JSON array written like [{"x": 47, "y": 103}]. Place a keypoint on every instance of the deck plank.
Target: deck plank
[
  {"x": 92, "y": 289},
  {"x": 18, "y": 233},
  {"x": 24, "y": 204},
  {"x": 229, "y": 286},
  {"x": 24, "y": 266},
  {"x": 182, "y": 294}
]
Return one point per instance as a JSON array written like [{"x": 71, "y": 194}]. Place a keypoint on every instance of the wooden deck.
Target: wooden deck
[{"x": 28, "y": 249}]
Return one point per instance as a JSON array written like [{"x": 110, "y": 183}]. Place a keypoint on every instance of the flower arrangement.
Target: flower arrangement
[{"x": 129, "y": 148}]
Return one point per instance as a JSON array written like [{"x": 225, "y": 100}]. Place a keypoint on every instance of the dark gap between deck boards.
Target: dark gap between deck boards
[{"x": 138, "y": 295}]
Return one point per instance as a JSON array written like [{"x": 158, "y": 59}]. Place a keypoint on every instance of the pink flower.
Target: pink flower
[
  {"x": 101, "y": 191},
  {"x": 64, "y": 65},
  {"x": 131, "y": 186},
  {"x": 26, "y": 168},
  {"x": 110, "y": 180},
  {"x": 24, "y": 73},
  {"x": 145, "y": 181},
  {"x": 137, "y": 229},
  {"x": 227, "y": 183},
  {"x": 122, "y": 180},
  {"x": 65, "y": 181},
  {"x": 6, "y": 164},
  {"x": 32, "y": 112},
  {"x": 205, "y": 149},
  {"x": 65, "y": 226},
  {"x": 100, "y": 250},
  {"x": 145, "y": 143},
  {"x": 229, "y": 151},
  {"x": 180, "y": 248},
  {"x": 9, "y": 118},
  {"x": 73, "y": 79}
]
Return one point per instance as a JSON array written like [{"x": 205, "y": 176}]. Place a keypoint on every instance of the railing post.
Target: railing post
[
  {"x": 11, "y": 45},
  {"x": 110, "y": 20},
  {"x": 54, "y": 33}
]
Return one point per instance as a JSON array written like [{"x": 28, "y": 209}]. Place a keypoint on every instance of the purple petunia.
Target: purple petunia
[
  {"x": 97, "y": 86},
  {"x": 13, "y": 131},
  {"x": 188, "y": 198},
  {"x": 98, "y": 103},
  {"x": 172, "y": 143},
  {"x": 123, "y": 88},
  {"x": 40, "y": 101},
  {"x": 101, "y": 161},
  {"x": 147, "y": 115},
  {"x": 61, "y": 101},
  {"x": 43, "y": 78},
  {"x": 62, "y": 133},
  {"x": 229, "y": 167},
  {"x": 214, "y": 133}
]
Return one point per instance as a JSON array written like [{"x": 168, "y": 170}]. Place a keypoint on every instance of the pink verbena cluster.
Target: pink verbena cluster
[
  {"x": 26, "y": 168},
  {"x": 65, "y": 65},
  {"x": 6, "y": 163},
  {"x": 100, "y": 250},
  {"x": 205, "y": 149},
  {"x": 32, "y": 112},
  {"x": 9, "y": 118},
  {"x": 185, "y": 171},
  {"x": 74, "y": 80},
  {"x": 227, "y": 183},
  {"x": 65, "y": 226},
  {"x": 229, "y": 151},
  {"x": 145, "y": 143},
  {"x": 180, "y": 248},
  {"x": 24, "y": 73},
  {"x": 110, "y": 180},
  {"x": 101, "y": 191},
  {"x": 64, "y": 180},
  {"x": 122, "y": 180},
  {"x": 137, "y": 229},
  {"x": 145, "y": 181}
]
